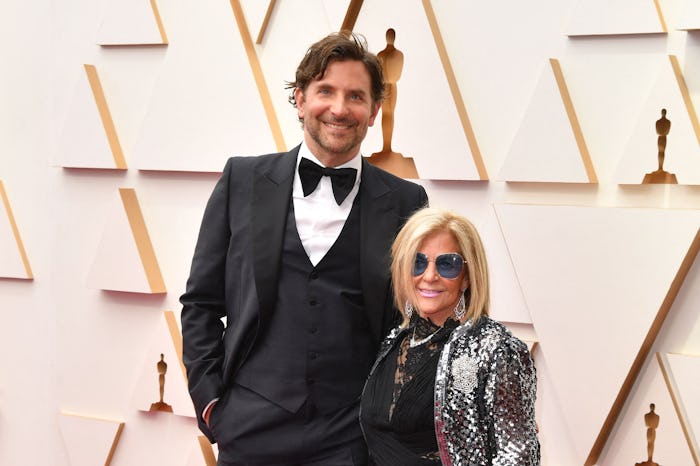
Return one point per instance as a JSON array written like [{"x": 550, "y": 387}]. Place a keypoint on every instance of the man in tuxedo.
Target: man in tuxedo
[{"x": 293, "y": 252}]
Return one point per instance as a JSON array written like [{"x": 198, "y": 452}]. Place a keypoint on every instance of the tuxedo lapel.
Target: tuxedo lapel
[
  {"x": 379, "y": 221},
  {"x": 272, "y": 193}
]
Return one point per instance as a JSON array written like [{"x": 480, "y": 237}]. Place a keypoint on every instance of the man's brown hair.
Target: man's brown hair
[{"x": 338, "y": 46}]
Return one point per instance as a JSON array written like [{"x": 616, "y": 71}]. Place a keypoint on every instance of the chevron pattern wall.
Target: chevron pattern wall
[{"x": 537, "y": 124}]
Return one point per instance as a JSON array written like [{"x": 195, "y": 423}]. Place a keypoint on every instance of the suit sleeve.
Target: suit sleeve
[
  {"x": 418, "y": 200},
  {"x": 203, "y": 303},
  {"x": 424, "y": 202}
]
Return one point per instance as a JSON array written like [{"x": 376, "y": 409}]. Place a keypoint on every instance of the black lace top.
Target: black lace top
[{"x": 397, "y": 404}]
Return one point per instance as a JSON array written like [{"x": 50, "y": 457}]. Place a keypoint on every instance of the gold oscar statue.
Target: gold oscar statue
[
  {"x": 391, "y": 59},
  {"x": 660, "y": 176},
  {"x": 651, "y": 419},
  {"x": 161, "y": 405}
]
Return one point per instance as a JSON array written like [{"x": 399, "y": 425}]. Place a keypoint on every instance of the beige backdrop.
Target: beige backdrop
[{"x": 536, "y": 121}]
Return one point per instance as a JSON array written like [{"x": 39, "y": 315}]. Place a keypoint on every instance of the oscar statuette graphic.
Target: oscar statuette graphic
[
  {"x": 161, "y": 405},
  {"x": 391, "y": 59},
  {"x": 651, "y": 420},
  {"x": 660, "y": 176}
]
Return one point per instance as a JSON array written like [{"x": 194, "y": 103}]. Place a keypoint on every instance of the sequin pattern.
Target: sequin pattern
[
  {"x": 485, "y": 393},
  {"x": 464, "y": 373}
]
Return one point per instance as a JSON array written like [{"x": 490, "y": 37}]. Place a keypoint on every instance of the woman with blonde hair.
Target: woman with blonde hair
[{"x": 450, "y": 386}]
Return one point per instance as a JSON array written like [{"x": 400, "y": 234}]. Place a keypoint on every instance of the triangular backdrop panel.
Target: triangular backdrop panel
[
  {"x": 89, "y": 137},
  {"x": 549, "y": 146},
  {"x": 168, "y": 342},
  {"x": 203, "y": 453},
  {"x": 89, "y": 441},
  {"x": 132, "y": 22},
  {"x": 557, "y": 252},
  {"x": 507, "y": 302},
  {"x": 13, "y": 258},
  {"x": 439, "y": 146},
  {"x": 682, "y": 154},
  {"x": 679, "y": 333},
  {"x": 681, "y": 374},
  {"x": 194, "y": 121},
  {"x": 689, "y": 19},
  {"x": 605, "y": 17},
  {"x": 548, "y": 414},
  {"x": 125, "y": 259},
  {"x": 670, "y": 446},
  {"x": 626, "y": 80}
]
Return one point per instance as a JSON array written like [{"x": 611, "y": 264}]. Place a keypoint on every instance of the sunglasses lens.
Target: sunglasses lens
[
  {"x": 449, "y": 265},
  {"x": 420, "y": 264}
]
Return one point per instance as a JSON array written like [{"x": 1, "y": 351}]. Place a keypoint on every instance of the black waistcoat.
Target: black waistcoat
[{"x": 317, "y": 346}]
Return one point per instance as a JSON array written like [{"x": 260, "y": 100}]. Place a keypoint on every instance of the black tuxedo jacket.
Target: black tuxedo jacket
[{"x": 237, "y": 259}]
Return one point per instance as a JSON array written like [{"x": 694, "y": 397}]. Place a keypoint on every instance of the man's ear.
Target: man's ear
[
  {"x": 299, "y": 100},
  {"x": 375, "y": 111}
]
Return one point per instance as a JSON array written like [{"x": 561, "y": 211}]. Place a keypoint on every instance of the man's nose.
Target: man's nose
[{"x": 339, "y": 106}]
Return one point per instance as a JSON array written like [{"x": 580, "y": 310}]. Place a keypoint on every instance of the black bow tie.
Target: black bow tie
[{"x": 342, "y": 179}]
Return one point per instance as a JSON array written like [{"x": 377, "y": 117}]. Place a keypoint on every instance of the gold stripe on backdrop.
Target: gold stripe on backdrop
[
  {"x": 15, "y": 232},
  {"x": 573, "y": 120},
  {"x": 106, "y": 116},
  {"x": 159, "y": 22},
  {"x": 454, "y": 88},
  {"x": 258, "y": 75},
  {"x": 686, "y": 95},
  {"x": 143, "y": 241}
]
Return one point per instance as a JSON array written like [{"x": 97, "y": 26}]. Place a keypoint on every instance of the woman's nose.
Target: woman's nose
[{"x": 431, "y": 273}]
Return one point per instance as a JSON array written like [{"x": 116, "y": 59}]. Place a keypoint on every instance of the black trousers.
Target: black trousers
[{"x": 252, "y": 431}]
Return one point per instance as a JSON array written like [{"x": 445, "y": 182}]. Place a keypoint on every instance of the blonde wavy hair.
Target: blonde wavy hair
[{"x": 423, "y": 224}]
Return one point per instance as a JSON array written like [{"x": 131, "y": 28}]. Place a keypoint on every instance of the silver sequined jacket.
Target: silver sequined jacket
[{"x": 485, "y": 390}]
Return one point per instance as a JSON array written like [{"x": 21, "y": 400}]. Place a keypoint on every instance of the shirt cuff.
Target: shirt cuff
[{"x": 208, "y": 407}]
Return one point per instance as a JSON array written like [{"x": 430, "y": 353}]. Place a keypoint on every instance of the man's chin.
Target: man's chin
[{"x": 338, "y": 147}]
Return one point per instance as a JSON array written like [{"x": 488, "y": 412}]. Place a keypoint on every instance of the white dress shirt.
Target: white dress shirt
[{"x": 319, "y": 218}]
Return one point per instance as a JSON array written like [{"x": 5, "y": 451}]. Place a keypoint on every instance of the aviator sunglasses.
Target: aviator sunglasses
[{"x": 448, "y": 265}]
